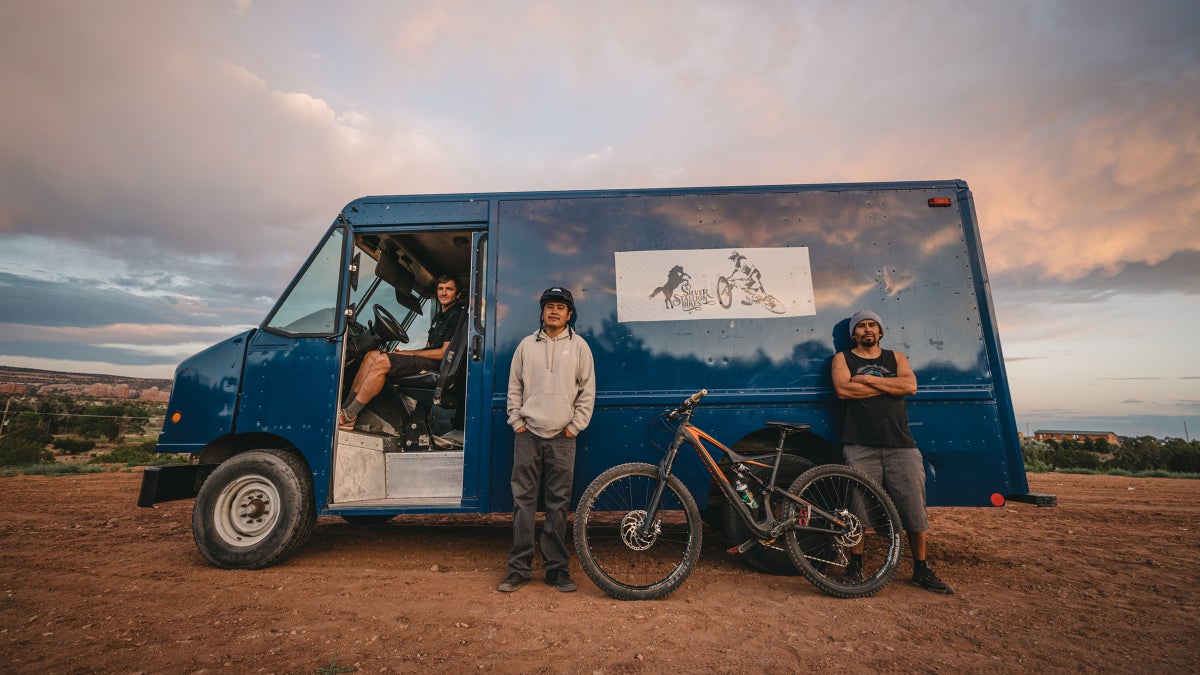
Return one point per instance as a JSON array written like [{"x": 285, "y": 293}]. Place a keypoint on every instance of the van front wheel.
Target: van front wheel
[{"x": 254, "y": 510}]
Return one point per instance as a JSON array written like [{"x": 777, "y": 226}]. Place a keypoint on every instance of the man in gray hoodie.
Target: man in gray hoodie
[{"x": 551, "y": 393}]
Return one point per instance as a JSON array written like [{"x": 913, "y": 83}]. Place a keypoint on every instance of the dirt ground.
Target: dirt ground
[{"x": 1106, "y": 581}]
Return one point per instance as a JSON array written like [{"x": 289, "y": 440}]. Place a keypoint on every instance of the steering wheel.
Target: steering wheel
[{"x": 387, "y": 327}]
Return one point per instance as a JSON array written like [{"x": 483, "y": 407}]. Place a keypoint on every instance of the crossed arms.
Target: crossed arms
[{"x": 867, "y": 386}]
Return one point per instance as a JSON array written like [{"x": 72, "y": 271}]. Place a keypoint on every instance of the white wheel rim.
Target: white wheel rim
[{"x": 247, "y": 510}]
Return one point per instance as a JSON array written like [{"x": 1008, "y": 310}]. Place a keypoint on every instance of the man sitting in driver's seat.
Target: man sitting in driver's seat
[{"x": 377, "y": 366}]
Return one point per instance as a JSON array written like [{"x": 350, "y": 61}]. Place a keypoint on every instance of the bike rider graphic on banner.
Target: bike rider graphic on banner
[{"x": 746, "y": 277}]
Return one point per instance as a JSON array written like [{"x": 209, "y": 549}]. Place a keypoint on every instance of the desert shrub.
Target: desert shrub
[
  {"x": 1035, "y": 453},
  {"x": 55, "y": 469},
  {"x": 1037, "y": 466},
  {"x": 74, "y": 446},
  {"x": 1074, "y": 458},
  {"x": 24, "y": 420},
  {"x": 1180, "y": 456},
  {"x": 134, "y": 453},
  {"x": 26, "y": 445}
]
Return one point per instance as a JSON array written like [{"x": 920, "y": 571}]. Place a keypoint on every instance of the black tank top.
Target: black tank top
[{"x": 880, "y": 420}]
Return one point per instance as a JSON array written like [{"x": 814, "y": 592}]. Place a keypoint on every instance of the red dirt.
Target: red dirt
[{"x": 91, "y": 583}]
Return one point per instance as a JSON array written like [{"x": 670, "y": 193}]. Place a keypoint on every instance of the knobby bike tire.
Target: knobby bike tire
[
  {"x": 823, "y": 558},
  {"x": 611, "y": 553}
]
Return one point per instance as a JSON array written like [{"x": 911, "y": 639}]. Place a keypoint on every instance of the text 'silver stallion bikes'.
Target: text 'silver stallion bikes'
[{"x": 638, "y": 530}]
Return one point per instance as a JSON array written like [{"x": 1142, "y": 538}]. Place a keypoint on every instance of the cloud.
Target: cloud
[
  {"x": 1130, "y": 378},
  {"x": 80, "y": 303},
  {"x": 176, "y": 162},
  {"x": 1123, "y": 425},
  {"x": 150, "y": 130}
]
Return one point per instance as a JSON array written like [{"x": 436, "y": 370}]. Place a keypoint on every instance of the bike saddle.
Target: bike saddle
[{"x": 790, "y": 427}]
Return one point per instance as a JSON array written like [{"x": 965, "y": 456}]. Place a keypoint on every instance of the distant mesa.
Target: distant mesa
[
  {"x": 29, "y": 381},
  {"x": 96, "y": 390}
]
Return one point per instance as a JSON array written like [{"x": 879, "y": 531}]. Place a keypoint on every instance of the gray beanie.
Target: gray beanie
[{"x": 862, "y": 314}]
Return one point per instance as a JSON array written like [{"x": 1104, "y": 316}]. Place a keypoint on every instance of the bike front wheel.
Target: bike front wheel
[
  {"x": 724, "y": 292},
  {"x": 862, "y": 514},
  {"x": 624, "y": 559}
]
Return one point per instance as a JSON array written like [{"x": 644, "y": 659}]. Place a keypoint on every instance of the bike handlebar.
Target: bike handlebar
[{"x": 688, "y": 404}]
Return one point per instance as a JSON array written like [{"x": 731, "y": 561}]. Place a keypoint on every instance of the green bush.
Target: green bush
[
  {"x": 1037, "y": 466},
  {"x": 55, "y": 469},
  {"x": 126, "y": 454},
  {"x": 26, "y": 445},
  {"x": 74, "y": 446}
]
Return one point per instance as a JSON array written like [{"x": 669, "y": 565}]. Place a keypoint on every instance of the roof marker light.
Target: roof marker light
[{"x": 940, "y": 201}]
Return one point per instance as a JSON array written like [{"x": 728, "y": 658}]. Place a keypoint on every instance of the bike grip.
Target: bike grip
[{"x": 697, "y": 396}]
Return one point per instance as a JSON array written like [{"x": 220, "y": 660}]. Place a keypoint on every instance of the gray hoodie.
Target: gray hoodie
[{"x": 552, "y": 384}]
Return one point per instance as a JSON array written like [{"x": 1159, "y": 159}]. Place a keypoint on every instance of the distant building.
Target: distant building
[{"x": 1055, "y": 435}]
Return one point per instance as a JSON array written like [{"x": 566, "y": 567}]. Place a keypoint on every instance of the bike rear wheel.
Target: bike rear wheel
[
  {"x": 869, "y": 517},
  {"x": 612, "y": 551}
]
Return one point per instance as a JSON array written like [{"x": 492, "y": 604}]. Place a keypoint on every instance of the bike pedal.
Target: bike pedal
[{"x": 745, "y": 546}]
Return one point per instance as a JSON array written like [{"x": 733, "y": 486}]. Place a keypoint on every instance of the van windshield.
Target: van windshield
[{"x": 310, "y": 307}]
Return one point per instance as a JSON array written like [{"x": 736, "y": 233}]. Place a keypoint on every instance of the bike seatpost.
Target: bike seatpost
[{"x": 783, "y": 434}]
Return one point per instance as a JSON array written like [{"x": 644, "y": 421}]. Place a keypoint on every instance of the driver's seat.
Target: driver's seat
[{"x": 443, "y": 387}]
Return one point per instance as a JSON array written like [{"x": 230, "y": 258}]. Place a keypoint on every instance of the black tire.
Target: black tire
[
  {"x": 254, "y": 510},
  {"x": 623, "y": 566},
  {"x": 770, "y": 558},
  {"x": 872, "y": 517},
  {"x": 368, "y": 520}
]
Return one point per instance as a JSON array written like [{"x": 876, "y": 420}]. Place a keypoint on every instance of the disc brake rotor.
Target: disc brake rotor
[
  {"x": 631, "y": 525},
  {"x": 854, "y": 530}
]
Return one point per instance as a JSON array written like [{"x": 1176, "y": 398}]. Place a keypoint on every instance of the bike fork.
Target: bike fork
[{"x": 664, "y": 472}]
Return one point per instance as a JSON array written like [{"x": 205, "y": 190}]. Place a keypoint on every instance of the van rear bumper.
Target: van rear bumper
[
  {"x": 1038, "y": 498},
  {"x": 169, "y": 483}
]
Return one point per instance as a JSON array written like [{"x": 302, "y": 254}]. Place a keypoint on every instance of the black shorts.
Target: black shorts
[{"x": 407, "y": 364}]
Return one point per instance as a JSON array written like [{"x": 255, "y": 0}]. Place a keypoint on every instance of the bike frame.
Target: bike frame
[{"x": 768, "y": 528}]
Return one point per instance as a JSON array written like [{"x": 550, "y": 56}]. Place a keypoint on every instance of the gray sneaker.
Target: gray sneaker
[
  {"x": 512, "y": 582},
  {"x": 561, "y": 580}
]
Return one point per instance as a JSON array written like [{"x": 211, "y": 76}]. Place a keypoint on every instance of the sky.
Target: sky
[{"x": 166, "y": 167}]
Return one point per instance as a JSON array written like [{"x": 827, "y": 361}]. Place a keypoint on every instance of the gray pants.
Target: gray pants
[
  {"x": 901, "y": 473},
  {"x": 535, "y": 458}
]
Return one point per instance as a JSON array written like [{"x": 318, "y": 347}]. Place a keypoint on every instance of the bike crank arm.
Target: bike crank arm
[{"x": 747, "y": 545}]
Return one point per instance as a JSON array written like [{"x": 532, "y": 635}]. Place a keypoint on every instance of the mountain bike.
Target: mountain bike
[{"x": 638, "y": 529}]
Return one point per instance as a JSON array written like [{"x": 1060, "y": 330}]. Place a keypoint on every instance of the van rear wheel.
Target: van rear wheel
[{"x": 254, "y": 510}]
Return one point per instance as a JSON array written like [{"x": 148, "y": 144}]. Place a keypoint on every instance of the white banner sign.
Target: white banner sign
[{"x": 714, "y": 283}]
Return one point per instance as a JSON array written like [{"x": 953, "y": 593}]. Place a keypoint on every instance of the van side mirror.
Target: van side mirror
[{"x": 354, "y": 271}]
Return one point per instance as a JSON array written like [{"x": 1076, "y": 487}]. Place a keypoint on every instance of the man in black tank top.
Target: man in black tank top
[{"x": 872, "y": 383}]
